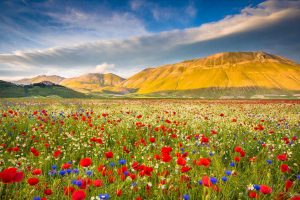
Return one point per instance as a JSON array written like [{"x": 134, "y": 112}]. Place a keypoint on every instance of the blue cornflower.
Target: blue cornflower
[
  {"x": 200, "y": 182},
  {"x": 213, "y": 180},
  {"x": 112, "y": 164},
  {"x": 298, "y": 176},
  {"x": 122, "y": 161},
  {"x": 186, "y": 197},
  {"x": 54, "y": 167},
  {"x": 104, "y": 196},
  {"x": 232, "y": 164},
  {"x": 89, "y": 172},
  {"x": 62, "y": 172},
  {"x": 74, "y": 182},
  {"x": 70, "y": 162},
  {"x": 68, "y": 171},
  {"x": 52, "y": 173},
  {"x": 133, "y": 184},
  {"x": 75, "y": 171},
  {"x": 211, "y": 153},
  {"x": 182, "y": 149},
  {"x": 78, "y": 183},
  {"x": 257, "y": 187},
  {"x": 269, "y": 162},
  {"x": 228, "y": 172},
  {"x": 36, "y": 198},
  {"x": 126, "y": 173},
  {"x": 224, "y": 178}
]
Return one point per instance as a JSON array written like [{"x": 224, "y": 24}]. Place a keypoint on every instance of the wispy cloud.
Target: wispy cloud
[{"x": 271, "y": 26}]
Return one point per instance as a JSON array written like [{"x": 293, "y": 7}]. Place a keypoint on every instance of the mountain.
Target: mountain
[
  {"x": 44, "y": 89},
  {"x": 95, "y": 83},
  {"x": 54, "y": 79},
  {"x": 229, "y": 73}
]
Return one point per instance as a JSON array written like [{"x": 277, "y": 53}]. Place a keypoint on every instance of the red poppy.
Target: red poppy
[
  {"x": 11, "y": 175},
  {"x": 34, "y": 152},
  {"x": 78, "y": 195},
  {"x": 185, "y": 169},
  {"x": 238, "y": 149},
  {"x": 265, "y": 189},
  {"x": 152, "y": 139},
  {"x": 47, "y": 191},
  {"x": 282, "y": 157},
  {"x": 119, "y": 192},
  {"x": 181, "y": 161},
  {"x": 36, "y": 172},
  {"x": 252, "y": 194},
  {"x": 206, "y": 181},
  {"x": 97, "y": 183},
  {"x": 56, "y": 153},
  {"x": 204, "y": 161},
  {"x": 33, "y": 181},
  {"x": 288, "y": 185},
  {"x": 85, "y": 162},
  {"x": 284, "y": 168},
  {"x": 109, "y": 154},
  {"x": 66, "y": 166}
]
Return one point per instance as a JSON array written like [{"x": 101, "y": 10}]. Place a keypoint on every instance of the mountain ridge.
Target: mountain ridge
[{"x": 229, "y": 71}]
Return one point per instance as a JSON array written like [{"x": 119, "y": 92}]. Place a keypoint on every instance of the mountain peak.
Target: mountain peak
[{"x": 232, "y": 58}]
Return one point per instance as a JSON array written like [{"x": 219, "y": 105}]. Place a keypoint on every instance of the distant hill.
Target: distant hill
[
  {"x": 27, "y": 81},
  {"x": 42, "y": 89},
  {"x": 237, "y": 73},
  {"x": 222, "y": 75},
  {"x": 95, "y": 83}
]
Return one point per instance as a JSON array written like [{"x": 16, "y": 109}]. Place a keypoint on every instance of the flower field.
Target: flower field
[{"x": 149, "y": 149}]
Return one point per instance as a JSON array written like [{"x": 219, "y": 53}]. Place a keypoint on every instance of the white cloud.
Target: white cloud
[
  {"x": 104, "y": 68},
  {"x": 269, "y": 25}
]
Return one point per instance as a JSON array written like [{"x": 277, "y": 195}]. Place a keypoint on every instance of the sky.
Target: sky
[{"x": 70, "y": 38}]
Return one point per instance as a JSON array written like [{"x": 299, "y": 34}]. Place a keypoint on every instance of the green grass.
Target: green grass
[{"x": 60, "y": 127}]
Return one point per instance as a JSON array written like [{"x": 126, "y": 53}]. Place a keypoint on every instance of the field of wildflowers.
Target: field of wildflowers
[{"x": 149, "y": 149}]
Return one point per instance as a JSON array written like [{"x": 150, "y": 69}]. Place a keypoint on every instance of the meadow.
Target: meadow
[{"x": 149, "y": 149}]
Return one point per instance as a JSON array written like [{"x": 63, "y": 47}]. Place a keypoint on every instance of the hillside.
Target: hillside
[
  {"x": 95, "y": 83},
  {"x": 230, "y": 71},
  {"x": 43, "y": 89},
  {"x": 54, "y": 79}
]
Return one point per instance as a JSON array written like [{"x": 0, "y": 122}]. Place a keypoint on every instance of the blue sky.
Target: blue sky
[{"x": 69, "y": 38}]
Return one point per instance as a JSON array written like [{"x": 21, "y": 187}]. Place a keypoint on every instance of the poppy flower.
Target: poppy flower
[
  {"x": 265, "y": 189},
  {"x": 204, "y": 161},
  {"x": 252, "y": 194},
  {"x": 97, "y": 183},
  {"x": 47, "y": 191},
  {"x": 36, "y": 172},
  {"x": 284, "y": 168},
  {"x": 282, "y": 157},
  {"x": 85, "y": 162},
  {"x": 288, "y": 185},
  {"x": 152, "y": 139},
  {"x": 206, "y": 181},
  {"x": 78, "y": 195},
  {"x": 185, "y": 169},
  {"x": 119, "y": 192},
  {"x": 33, "y": 181},
  {"x": 109, "y": 154},
  {"x": 11, "y": 175},
  {"x": 181, "y": 161}
]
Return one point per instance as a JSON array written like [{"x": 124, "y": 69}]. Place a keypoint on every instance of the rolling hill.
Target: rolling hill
[
  {"x": 27, "y": 81},
  {"x": 95, "y": 83},
  {"x": 229, "y": 73},
  {"x": 42, "y": 89}
]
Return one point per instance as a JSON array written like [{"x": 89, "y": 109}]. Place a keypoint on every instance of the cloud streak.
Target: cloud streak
[{"x": 271, "y": 26}]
